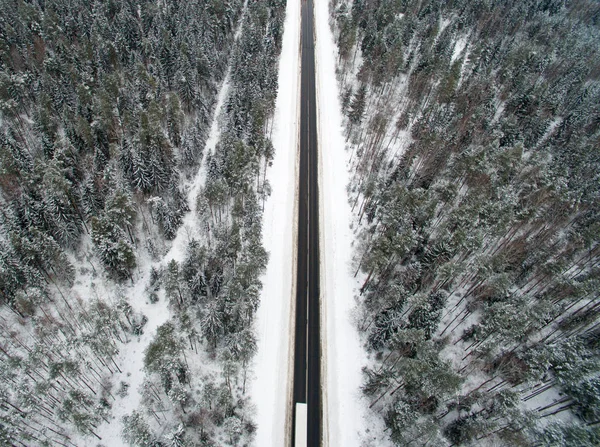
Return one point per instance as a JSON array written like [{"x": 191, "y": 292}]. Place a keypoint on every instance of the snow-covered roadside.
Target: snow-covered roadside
[
  {"x": 271, "y": 389},
  {"x": 344, "y": 411}
]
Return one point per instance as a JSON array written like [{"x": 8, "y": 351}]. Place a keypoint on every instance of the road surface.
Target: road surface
[{"x": 307, "y": 349}]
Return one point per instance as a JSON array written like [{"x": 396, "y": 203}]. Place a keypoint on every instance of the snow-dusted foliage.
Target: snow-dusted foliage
[
  {"x": 473, "y": 129},
  {"x": 105, "y": 112}
]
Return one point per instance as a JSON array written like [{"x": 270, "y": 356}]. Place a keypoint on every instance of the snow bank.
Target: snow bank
[
  {"x": 271, "y": 388},
  {"x": 343, "y": 410}
]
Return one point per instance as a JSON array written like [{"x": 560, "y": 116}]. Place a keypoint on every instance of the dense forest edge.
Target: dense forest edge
[
  {"x": 473, "y": 129},
  {"x": 105, "y": 111}
]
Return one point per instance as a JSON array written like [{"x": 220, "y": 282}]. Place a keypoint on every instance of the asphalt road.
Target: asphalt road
[{"x": 307, "y": 349}]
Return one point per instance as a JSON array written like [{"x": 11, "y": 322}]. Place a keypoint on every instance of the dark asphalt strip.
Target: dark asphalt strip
[{"x": 307, "y": 349}]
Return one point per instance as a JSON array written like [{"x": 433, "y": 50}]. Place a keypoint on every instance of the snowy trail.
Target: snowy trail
[
  {"x": 190, "y": 224},
  {"x": 271, "y": 387},
  {"x": 343, "y": 357},
  {"x": 132, "y": 354}
]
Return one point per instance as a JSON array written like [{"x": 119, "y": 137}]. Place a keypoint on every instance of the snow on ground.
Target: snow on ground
[
  {"x": 88, "y": 287},
  {"x": 443, "y": 25},
  {"x": 459, "y": 47},
  {"x": 131, "y": 362},
  {"x": 271, "y": 387},
  {"x": 190, "y": 225},
  {"x": 344, "y": 410},
  {"x": 131, "y": 356}
]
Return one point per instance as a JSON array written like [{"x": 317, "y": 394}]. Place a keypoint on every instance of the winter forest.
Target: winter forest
[
  {"x": 474, "y": 132},
  {"x": 106, "y": 108},
  {"x": 135, "y": 143}
]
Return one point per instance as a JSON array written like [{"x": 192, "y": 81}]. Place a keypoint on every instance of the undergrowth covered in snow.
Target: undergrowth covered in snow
[
  {"x": 130, "y": 271},
  {"x": 474, "y": 191}
]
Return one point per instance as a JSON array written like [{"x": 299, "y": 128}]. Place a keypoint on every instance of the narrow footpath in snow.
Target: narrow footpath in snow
[{"x": 271, "y": 388}]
